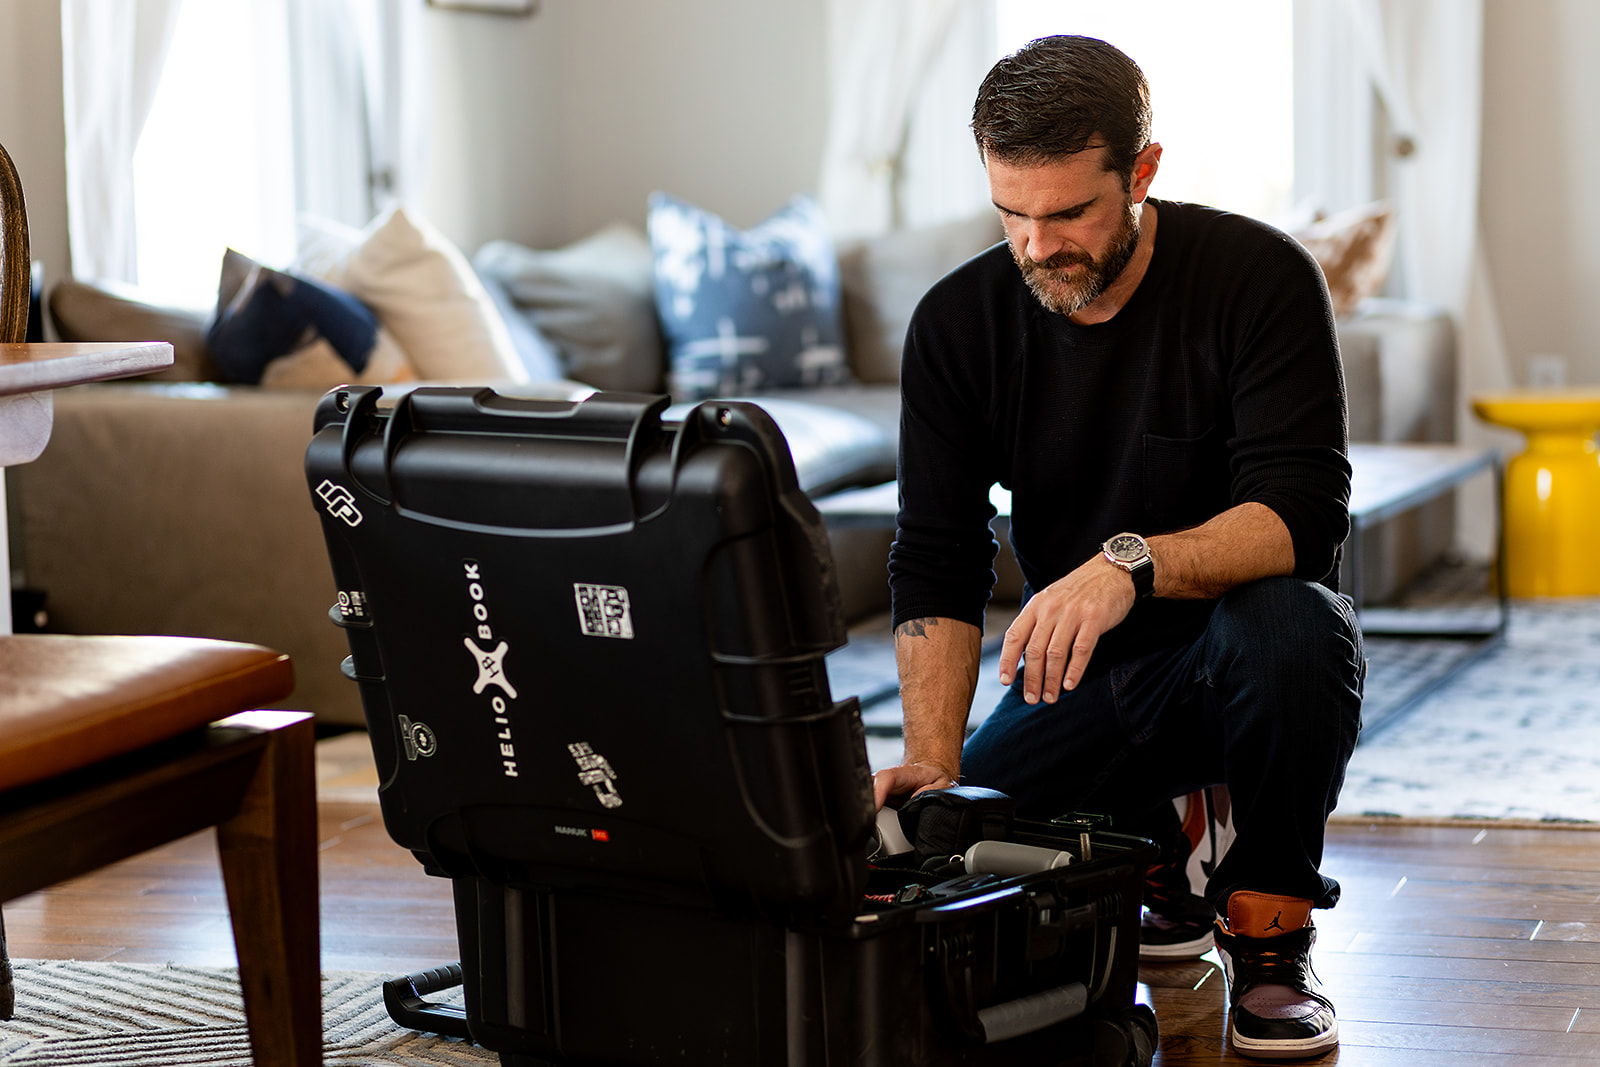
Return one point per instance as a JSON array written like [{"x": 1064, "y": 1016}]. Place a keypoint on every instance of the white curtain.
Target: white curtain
[
  {"x": 398, "y": 111},
  {"x": 883, "y": 56},
  {"x": 360, "y": 106},
  {"x": 111, "y": 57},
  {"x": 1393, "y": 107},
  {"x": 1435, "y": 55},
  {"x": 333, "y": 176}
]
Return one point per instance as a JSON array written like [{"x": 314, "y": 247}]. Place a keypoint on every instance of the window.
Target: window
[
  {"x": 215, "y": 165},
  {"x": 1221, "y": 87}
]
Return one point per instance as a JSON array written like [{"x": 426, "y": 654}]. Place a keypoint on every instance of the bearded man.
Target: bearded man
[{"x": 1158, "y": 384}]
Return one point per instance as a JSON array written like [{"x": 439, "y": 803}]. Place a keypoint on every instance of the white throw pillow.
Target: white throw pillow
[{"x": 426, "y": 295}]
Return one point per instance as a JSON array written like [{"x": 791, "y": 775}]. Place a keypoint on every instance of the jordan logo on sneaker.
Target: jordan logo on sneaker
[{"x": 1275, "y": 924}]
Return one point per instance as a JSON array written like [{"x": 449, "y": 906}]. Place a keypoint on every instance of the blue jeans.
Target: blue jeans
[{"x": 1267, "y": 701}]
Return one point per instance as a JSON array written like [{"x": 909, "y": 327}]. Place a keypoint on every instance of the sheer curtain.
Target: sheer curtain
[
  {"x": 360, "y": 105},
  {"x": 395, "y": 65},
  {"x": 1389, "y": 102},
  {"x": 885, "y": 57},
  {"x": 328, "y": 96},
  {"x": 112, "y": 53}
]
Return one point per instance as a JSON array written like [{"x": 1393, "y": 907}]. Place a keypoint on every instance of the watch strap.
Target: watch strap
[{"x": 1144, "y": 577}]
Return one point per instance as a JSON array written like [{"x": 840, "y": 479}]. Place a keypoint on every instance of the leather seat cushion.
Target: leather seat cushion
[{"x": 67, "y": 701}]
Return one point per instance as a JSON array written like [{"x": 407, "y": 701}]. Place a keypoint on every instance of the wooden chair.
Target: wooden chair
[{"x": 112, "y": 745}]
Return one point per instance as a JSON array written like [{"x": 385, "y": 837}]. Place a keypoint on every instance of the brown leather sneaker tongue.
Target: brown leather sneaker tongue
[{"x": 1252, "y": 914}]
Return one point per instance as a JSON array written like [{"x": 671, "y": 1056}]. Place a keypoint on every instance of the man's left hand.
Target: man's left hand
[{"x": 1058, "y": 628}]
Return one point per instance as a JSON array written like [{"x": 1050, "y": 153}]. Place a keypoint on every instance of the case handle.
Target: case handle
[
  {"x": 1032, "y": 1012},
  {"x": 404, "y": 998}
]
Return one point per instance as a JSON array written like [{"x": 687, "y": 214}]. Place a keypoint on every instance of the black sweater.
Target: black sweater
[{"x": 1218, "y": 383}]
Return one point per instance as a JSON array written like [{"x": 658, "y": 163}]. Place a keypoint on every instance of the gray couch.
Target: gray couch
[{"x": 173, "y": 507}]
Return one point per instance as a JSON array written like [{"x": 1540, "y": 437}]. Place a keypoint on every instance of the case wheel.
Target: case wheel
[{"x": 1128, "y": 1039}]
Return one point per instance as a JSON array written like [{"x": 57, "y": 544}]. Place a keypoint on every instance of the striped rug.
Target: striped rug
[{"x": 72, "y": 1014}]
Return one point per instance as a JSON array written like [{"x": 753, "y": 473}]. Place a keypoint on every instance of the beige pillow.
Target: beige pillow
[
  {"x": 425, "y": 294},
  {"x": 317, "y": 366},
  {"x": 1355, "y": 249}
]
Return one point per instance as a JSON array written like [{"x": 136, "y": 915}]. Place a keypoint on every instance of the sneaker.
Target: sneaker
[
  {"x": 1177, "y": 920},
  {"x": 1278, "y": 1011},
  {"x": 1176, "y": 924}
]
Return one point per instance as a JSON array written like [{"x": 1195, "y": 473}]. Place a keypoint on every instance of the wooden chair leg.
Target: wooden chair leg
[
  {"x": 268, "y": 853},
  {"x": 8, "y": 990}
]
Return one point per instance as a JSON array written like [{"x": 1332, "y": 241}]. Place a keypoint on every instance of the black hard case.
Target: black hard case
[{"x": 590, "y": 646}]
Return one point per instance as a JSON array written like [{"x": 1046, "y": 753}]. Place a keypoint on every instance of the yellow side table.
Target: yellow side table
[{"x": 1552, "y": 490}]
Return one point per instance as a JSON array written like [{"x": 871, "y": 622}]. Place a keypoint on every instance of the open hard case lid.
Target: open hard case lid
[{"x": 591, "y": 645}]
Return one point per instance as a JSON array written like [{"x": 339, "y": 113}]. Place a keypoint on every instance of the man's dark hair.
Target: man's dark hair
[{"x": 1057, "y": 96}]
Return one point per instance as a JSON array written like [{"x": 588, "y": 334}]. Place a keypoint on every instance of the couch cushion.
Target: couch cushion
[
  {"x": 832, "y": 448},
  {"x": 112, "y": 311},
  {"x": 746, "y": 310},
  {"x": 876, "y": 402},
  {"x": 594, "y": 299},
  {"x": 884, "y": 278},
  {"x": 426, "y": 294}
]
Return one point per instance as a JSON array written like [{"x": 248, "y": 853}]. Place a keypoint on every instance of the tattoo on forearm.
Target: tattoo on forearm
[{"x": 915, "y": 627}]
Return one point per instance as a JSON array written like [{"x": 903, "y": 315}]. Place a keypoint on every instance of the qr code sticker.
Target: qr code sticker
[{"x": 603, "y": 610}]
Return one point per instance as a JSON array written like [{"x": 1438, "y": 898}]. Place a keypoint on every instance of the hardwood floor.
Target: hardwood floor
[
  {"x": 1452, "y": 946},
  {"x": 1458, "y": 945}
]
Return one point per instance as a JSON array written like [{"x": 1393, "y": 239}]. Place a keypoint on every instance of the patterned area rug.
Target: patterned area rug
[
  {"x": 1513, "y": 735},
  {"x": 154, "y": 1015}
]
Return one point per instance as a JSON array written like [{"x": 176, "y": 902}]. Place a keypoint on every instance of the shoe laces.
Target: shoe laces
[{"x": 1283, "y": 960}]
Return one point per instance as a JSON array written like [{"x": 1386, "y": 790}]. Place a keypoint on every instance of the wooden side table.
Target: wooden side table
[{"x": 1552, "y": 490}]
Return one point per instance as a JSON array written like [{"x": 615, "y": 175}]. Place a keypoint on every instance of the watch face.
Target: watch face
[{"x": 1126, "y": 547}]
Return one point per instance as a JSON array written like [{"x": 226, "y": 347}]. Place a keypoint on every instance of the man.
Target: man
[{"x": 1159, "y": 386}]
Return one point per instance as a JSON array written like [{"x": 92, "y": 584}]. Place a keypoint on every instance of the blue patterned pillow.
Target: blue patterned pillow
[{"x": 746, "y": 311}]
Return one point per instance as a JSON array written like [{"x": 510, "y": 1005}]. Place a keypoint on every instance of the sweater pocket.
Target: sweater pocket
[{"x": 1186, "y": 479}]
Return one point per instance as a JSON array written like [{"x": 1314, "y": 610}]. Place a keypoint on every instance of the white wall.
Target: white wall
[
  {"x": 549, "y": 127},
  {"x": 30, "y": 122},
  {"x": 1541, "y": 147},
  {"x": 495, "y": 160}
]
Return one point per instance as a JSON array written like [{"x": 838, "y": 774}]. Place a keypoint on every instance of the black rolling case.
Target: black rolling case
[{"x": 590, "y": 646}]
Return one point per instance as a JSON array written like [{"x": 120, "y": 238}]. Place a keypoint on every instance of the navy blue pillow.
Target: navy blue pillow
[
  {"x": 264, "y": 313},
  {"x": 746, "y": 311}
]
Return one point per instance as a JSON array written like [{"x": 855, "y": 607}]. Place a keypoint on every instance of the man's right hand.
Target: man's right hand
[{"x": 907, "y": 778}]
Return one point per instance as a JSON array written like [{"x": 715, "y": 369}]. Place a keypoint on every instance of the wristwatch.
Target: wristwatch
[{"x": 1128, "y": 551}]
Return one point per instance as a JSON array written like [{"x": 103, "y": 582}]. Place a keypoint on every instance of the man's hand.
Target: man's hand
[
  {"x": 1058, "y": 629},
  {"x": 908, "y": 778}
]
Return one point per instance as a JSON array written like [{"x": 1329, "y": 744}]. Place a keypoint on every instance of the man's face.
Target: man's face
[{"x": 1071, "y": 225}]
